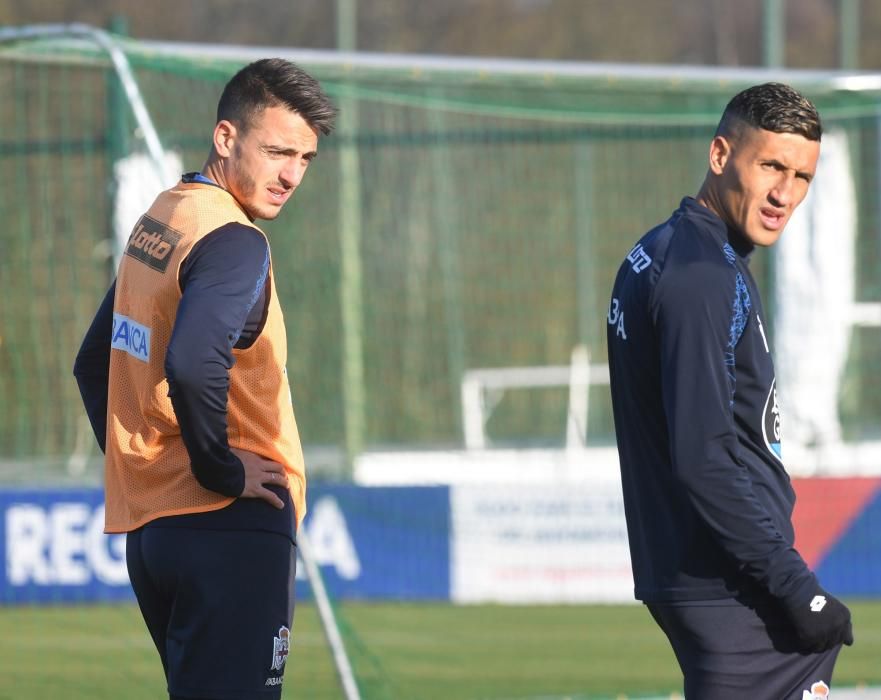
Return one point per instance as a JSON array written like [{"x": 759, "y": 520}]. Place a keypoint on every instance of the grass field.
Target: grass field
[{"x": 407, "y": 652}]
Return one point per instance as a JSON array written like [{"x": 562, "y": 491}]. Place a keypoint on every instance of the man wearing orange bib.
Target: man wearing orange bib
[{"x": 182, "y": 374}]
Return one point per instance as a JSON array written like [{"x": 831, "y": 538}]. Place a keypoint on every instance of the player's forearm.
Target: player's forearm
[
  {"x": 726, "y": 503},
  {"x": 198, "y": 390},
  {"x": 219, "y": 281},
  {"x": 709, "y": 463},
  {"x": 93, "y": 391}
]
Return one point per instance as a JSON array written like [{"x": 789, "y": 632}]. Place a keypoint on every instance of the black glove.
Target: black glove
[{"x": 821, "y": 623}]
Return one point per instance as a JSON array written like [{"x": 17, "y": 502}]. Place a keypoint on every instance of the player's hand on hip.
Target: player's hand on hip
[
  {"x": 821, "y": 623},
  {"x": 258, "y": 473}
]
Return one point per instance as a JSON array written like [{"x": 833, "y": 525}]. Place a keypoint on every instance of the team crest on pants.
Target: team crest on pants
[
  {"x": 281, "y": 646},
  {"x": 818, "y": 691}
]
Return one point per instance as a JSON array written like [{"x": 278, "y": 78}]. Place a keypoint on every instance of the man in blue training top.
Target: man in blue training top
[{"x": 707, "y": 499}]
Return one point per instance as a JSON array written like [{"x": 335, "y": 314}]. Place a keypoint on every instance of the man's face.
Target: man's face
[
  {"x": 267, "y": 161},
  {"x": 762, "y": 177}
]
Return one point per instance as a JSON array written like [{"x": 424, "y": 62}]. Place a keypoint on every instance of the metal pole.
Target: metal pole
[
  {"x": 328, "y": 619},
  {"x": 773, "y": 33},
  {"x": 446, "y": 220},
  {"x": 351, "y": 275},
  {"x": 583, "y": 197},
  {"x": 774, "y": 49},
  {"x": 118, "y": 146},
  {"x": 346, "y": 24},
  {"x": 849, "y": 34}
]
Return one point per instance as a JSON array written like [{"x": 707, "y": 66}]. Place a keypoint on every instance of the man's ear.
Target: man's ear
[
  {"x": 720, "y": 152},
  {"x": 225, "y": 134}
]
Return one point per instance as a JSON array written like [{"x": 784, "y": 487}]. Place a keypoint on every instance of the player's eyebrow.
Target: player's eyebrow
[
  {"x": 287, "y": 151},
  {"x": 804, "y": 174}
]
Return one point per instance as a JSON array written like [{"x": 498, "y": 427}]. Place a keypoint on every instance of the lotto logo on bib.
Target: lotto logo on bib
[{"x": 152, "y": 243}]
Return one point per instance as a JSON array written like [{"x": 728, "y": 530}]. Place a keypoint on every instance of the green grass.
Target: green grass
[{"x": 401, "y": 651}]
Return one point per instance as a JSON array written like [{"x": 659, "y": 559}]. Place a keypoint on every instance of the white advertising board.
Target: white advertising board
[{"x": 539, "y": 543}]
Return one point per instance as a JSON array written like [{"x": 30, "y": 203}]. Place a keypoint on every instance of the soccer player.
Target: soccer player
[
  {"x": 707, "y": 500},
  {"x": 182, "y": 374}
]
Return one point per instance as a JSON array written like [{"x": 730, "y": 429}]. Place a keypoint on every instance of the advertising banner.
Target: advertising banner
[
  {"x": 55, "y": 551},
  {"x": 533, "y": 543},
  {"x": 469, "y": 543},
  {"x": 371, "y": 543},
  {"x": 381, "y": 542}
]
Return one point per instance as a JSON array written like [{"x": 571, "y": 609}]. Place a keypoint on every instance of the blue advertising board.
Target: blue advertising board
[
  {"x": 381, "y": 542},
  {"x": 377, "y": 543},
  {"x": 55, "y": 551},
  {"x": 465, "y": 544}
]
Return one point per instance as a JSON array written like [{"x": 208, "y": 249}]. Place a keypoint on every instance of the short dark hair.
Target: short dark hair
[
  {"x": 773, "y": 107},
  {"x": 274, "y": 82}
]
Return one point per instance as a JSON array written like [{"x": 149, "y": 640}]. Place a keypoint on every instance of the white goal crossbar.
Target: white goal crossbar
[
  {"x": 866, "y": 314},
  {"x": 481, "y": 390}
]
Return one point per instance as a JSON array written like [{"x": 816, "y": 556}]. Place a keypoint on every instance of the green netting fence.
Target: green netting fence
[{"x": 465, "y": 215}]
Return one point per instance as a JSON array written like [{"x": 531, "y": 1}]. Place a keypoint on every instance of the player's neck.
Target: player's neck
[
  {"x": 706, "y": 197},
  {"x": 213, "y": 170}
]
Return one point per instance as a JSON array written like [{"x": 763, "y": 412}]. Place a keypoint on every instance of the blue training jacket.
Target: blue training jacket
[{"x": 707, "y": 500}]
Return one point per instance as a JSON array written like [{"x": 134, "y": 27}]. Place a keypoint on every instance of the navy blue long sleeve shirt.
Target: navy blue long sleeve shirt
[
  {"x": 221, "y": 281},
  {"x": 707, "y": 500}
]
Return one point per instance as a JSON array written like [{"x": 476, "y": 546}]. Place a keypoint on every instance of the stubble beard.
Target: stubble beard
[{"x": 246, "y": 188}]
